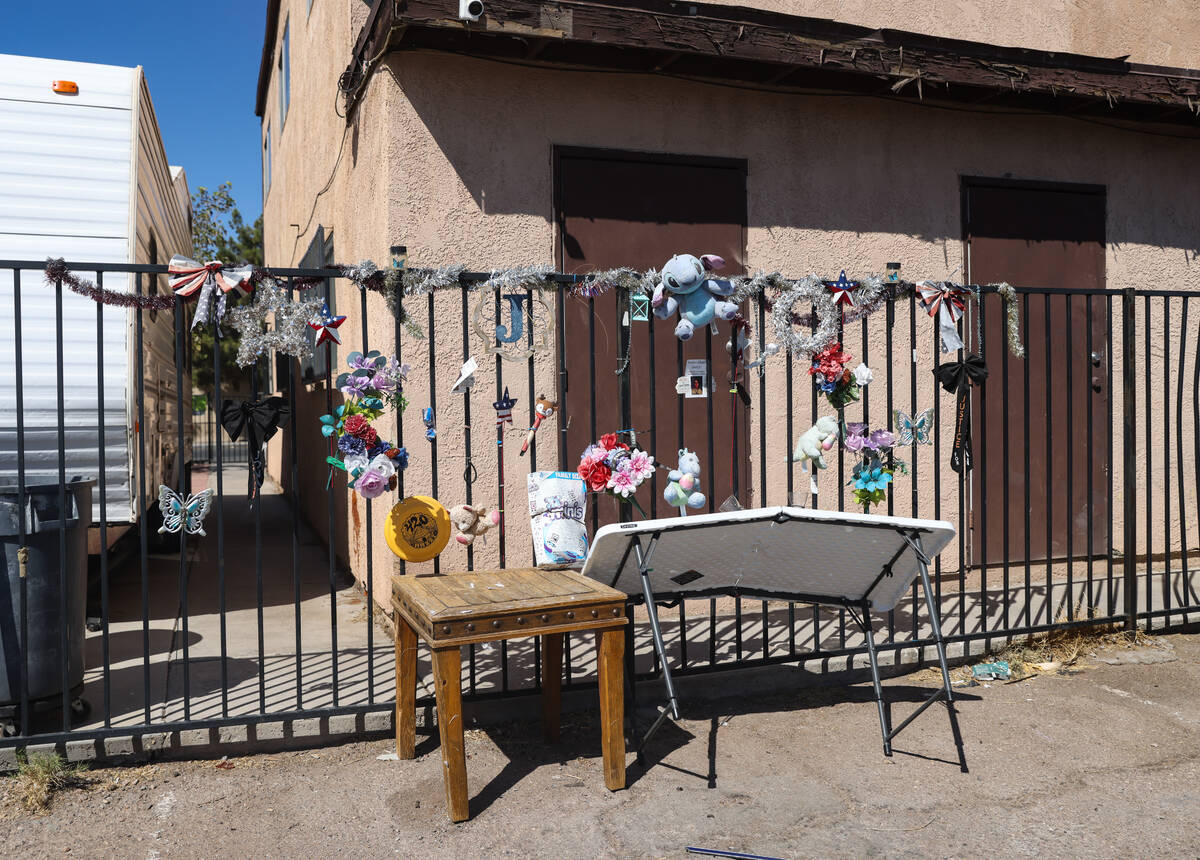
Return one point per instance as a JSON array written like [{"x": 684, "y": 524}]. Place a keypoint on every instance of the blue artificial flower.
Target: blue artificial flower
[
  {"x": 828, "y": 387},
  {"x": 352, "y": 445},
  {"x": 401, "y": 458},
  {"x": 873, "y": 479},
  {"x": 380, "y": 447}
]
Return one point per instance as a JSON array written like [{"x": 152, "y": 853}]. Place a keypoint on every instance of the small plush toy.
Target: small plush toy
[
  {"x": 816, "y": 440},
  {"x": 542, "y": 410},
  {"x": 685, "y": 287},
  {"x": 472, "y": 522},
  {"x": 683, "y": 484}
]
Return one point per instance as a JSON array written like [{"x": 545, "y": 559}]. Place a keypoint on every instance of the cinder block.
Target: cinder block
[
  {"x": 342, "y": 724},
  {"x": 8, "y": 759},
  {"x": 233, "y": 734},
  {"x": 383, "y": 721},
  {"x": 268, "y": 731},
  {"x": 41, "y": 750},
  {"x": 118, "y": 746},
  {"x": 306, "y": 728},
  {"x": 195, "y": 738},
  {"x": 81, "y": 750},
  {"x": 156, "y": 741}
]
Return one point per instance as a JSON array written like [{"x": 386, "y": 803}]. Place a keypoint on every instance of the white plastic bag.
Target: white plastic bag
[{"x": 557, "y": 504}]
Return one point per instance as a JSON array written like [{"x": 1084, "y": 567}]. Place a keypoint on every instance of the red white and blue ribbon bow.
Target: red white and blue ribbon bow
[
  {"x": 187, "y": 277},
  {"x": 326, "y": 327},
  {"x": 945, "y": 301}
]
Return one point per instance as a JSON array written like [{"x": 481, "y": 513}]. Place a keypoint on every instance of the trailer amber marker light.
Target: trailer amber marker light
[{"x": 65, "y": 87}]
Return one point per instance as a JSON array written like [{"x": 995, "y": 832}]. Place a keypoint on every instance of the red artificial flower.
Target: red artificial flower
[
  {"x": 358, "y": 426},
  {"x": 609, "y": 441},
  {"x": 392, "y": 453},
  {"x": 830, "y": 362},
  {"x": 596, "y": 475}
]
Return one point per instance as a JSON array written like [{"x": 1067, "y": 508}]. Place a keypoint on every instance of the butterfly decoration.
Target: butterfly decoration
[
  {"x": 914, "y": 430},
  {"x": 186, "y": 514}
]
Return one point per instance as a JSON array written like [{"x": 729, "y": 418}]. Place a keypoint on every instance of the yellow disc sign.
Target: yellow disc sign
[{"x": 417, "y": 528}]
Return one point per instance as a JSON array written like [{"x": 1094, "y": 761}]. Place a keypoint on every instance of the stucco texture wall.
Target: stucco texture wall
[
  {"x": 1158, "y": 32},
  {"x": 452, "y": 157}
]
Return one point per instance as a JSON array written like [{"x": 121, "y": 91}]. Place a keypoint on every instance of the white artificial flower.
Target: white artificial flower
[
  {"x": 863, "y": 374},
  {"x": 356, "y": 464},
  {"x": 383, "y": 466}
]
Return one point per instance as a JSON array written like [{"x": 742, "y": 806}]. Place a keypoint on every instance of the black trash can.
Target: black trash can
[{"x": 44, "y": 525}]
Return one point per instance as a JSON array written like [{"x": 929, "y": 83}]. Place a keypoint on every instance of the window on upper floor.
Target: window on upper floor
[
  {"x": 285, "y": 74},
  {"x": 266, "y": 168},
  {"x": 320, "y": 254}
]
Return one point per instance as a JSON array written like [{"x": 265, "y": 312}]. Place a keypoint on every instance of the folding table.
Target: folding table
[{"x": 860, "y": 562}]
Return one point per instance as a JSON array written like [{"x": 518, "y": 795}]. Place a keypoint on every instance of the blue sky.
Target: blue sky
[{"x": 201, "y": 62}]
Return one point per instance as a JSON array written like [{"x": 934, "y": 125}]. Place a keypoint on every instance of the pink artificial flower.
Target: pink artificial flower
[
  {"x": 641, "y": 464},
  {"x": 371, "y": 484},
  {"x": 623, "y": 482}
]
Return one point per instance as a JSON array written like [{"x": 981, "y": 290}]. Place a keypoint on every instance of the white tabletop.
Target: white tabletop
[{"x": 770, "y": 551}]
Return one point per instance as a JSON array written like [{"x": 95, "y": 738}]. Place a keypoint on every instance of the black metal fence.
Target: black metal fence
[{"x": 263, "y": 620}]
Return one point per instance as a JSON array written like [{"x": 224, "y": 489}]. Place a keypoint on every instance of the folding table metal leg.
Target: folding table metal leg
[
  {"x": 672, "y": 707},
  {"x": 934, "y": 621},
  {"x": 884, "y": 729}
]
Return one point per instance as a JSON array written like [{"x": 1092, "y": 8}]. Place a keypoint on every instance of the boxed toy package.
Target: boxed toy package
[{"x": 557, "y": 504}]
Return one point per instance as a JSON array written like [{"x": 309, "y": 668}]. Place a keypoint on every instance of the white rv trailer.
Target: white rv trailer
[{"x": 84, "y": 176}]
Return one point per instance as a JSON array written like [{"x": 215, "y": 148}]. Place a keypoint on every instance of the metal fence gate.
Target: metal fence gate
[{"x": 262, "y": 620}]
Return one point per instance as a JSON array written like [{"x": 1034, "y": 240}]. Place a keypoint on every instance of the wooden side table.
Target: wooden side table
[{"x": 452, "y": 610}]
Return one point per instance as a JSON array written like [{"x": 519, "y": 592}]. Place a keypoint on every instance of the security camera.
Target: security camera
[{"x": 470, "y": 10}]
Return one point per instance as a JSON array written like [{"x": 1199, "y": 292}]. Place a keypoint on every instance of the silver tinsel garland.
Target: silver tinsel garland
[
  {"x": 1012, "y": 319},
  {"x": 811, "y": 290},
  {"x": 290, "y": 334}
]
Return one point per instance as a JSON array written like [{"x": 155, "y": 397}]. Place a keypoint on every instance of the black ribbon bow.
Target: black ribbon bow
[
  {"x": 957, "y": 377},
  {"x": 258, "y": 420}
]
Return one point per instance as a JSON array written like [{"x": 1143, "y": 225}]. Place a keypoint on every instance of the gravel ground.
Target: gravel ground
[{"x": 1100, "y": 761}]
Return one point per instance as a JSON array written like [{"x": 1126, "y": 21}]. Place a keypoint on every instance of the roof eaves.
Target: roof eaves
[{"x": 268, "y": 57}]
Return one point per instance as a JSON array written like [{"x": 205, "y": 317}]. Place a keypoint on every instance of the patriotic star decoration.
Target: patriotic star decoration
[
  {"x": 841, "y": 289},
  {"x": 326, "y": 326}
]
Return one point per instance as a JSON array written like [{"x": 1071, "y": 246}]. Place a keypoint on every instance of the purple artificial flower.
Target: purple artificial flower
[
  {"x": 881, "y": 439},
  {"x": 383, "y": 382},
  {"x": 855, "y": 443},
  {"x": 371, "y": 484},
  {"x": 856, "y": 428},
  {"x": 356, "y": 386},
  {"x": 361, "y": 363},
  {"x": 351, "y": 445}
]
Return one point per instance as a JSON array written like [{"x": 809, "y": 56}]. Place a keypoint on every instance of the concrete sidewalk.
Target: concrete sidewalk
[{"x": 1102, "y": 762}]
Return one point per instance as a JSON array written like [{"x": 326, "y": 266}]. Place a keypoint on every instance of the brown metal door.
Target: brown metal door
[
  {"x": 635, "y": 209},
  {"x": 1040, "y": 235}
]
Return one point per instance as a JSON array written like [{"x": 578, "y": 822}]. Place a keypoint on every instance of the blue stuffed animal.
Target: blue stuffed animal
[
  {"x": 685, "y": 287},
  {"x": 683, "y": 484}
]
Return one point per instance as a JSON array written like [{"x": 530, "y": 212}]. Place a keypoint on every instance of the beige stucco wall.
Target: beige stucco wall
[
  {"x": 1159, "y": 32},
  {"x": 452, "y": 157}
]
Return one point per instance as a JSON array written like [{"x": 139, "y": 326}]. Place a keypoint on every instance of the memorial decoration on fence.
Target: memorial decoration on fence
[
  {"x": 211, "y": 279},
  {"x": 417, "y": 528},
  {"x": 542, "y": 410},
  {"x": 557, "y": 509},
  {"x": 914, "y": 429},
  {"x": 613, "y": 467},
  {"x": 466, "y": 376},
  {"x": 473, "y": 521},
  {"x": 530, "y": 326},
  {"x": 871, "y": 475},
  {"x": 957, "y": 377},
  {"x": 326, "y": 326},
  {"x": 685, "y": 288},
  {"x": 258, "y": 421},
  {"x": 835, "y": 379},
  {"x": 815, "y": 441},
  {"x": 183, "y": 514},
  {"x": 57, "y": 271},
  {"x": 375, "y": 382},
  {"x": 683, "y": 483},
  {"x": 945, "y": 302},
  {"x": 290, "y": 334}
]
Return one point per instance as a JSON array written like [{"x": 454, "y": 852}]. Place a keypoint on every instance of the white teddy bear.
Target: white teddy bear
[{"x": 815, "y": 441}]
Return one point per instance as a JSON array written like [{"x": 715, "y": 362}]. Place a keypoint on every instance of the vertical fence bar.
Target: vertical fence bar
[
  {"x": 1025, "y": 406},
  {"x": 296, "y": 585},
  {"x": 142, "y": 507},
  {"x": 181, "y": 487},
  {"x": 62, "y": 507},
  {"x": 912, "y": 403},
  {"x": 23, "y": 597},
  {"x": 1005, "y": 411},
  {"x": 258, "y": 557},
  {"x": 1183, "y": 524},
  {"x": 217, "y": 337},
  {"x": 1048, "y": 489},
  {"x": 1149, "y": 497},
  {"x": 1068, "y": 301},
  {"x": 1129, "y": 465},
  {"x": 433, "y": 443},
  {"x": 891, "y": 497},
  {"x": 103, "y": 490},
  {"x": 1110, "y": 454},
  {"x": 331, "y": 528},
  {"x": 980, "y": 448},
  {"x": 1091, "y": 461},
  {"x": 469, "y": 469},
  {"x": 1166, "y": 436}
]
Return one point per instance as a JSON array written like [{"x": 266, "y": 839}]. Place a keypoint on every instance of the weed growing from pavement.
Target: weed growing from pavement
[{"x": 40, "y": 776}]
